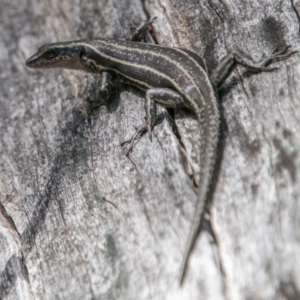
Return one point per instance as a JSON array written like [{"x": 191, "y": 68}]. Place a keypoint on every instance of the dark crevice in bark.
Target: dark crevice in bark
[
  {"x": 296, "y": 12},
  {"x": 8, "y": 218},
  {"x": 15, "y": 267},
  {"x": 143, "y": 3},
  {"x": 215, "y": 10},
  {"x": 61, "y": 162}
]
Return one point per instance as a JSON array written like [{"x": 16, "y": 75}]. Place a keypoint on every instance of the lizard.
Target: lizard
[{"x": 172, "y": 77}]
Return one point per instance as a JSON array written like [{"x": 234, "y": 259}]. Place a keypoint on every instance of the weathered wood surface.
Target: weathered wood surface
[{"x": 80, "y": 220}]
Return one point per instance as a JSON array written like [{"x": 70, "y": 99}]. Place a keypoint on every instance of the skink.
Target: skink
[{"x": 172, "y": 77}]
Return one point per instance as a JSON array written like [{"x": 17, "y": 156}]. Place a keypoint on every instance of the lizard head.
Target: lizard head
[{"x": 57, "y": 55}]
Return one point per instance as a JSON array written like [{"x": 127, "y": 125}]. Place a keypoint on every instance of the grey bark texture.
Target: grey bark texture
[{"x": 81, "y": 220}]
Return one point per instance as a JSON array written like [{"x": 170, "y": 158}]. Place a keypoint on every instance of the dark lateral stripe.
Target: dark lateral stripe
[
  {"x": 150, "y": 49},
  {"x": 190, "y": 101}
]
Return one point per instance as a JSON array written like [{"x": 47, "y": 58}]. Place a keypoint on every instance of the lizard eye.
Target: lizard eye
[{"x": 52, "y": 52}]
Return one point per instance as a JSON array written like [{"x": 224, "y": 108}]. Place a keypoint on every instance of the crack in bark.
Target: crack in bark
[
  {"x": 296, "y": 12},
  {"x": 15, "y": 265},
  {"x": 215, "y": 10},
  {"x": 15, "y": 268}
]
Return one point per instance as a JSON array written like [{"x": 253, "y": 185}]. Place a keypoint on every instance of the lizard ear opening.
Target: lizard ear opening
[{"x": 81, "y": 52}]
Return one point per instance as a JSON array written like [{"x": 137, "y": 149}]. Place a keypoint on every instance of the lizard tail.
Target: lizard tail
[{"x": 208, "y": 140}]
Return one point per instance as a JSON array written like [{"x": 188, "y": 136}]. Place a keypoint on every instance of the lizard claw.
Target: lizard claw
[{"x": 140, "y": 131}]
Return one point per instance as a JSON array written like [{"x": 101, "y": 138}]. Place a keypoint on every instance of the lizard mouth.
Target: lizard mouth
[
  {"x": 35, "y": 62},
  {"x": 31, "y": 62},
  {"x": 43, "y": 58}
]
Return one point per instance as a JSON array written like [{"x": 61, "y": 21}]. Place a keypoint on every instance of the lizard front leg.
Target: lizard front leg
[
  {"x": 107, "y": 80},
  {"x": 141, "y": 33},
  {"x": 163, "y": 96},
  {"x": 107, "y": 86}
]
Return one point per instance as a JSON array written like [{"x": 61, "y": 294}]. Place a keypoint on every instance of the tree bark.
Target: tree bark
[{"x": 81, "y": 220}]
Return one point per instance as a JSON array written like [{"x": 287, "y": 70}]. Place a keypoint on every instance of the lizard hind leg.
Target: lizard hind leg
[{"x": 233, "y": 59}]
